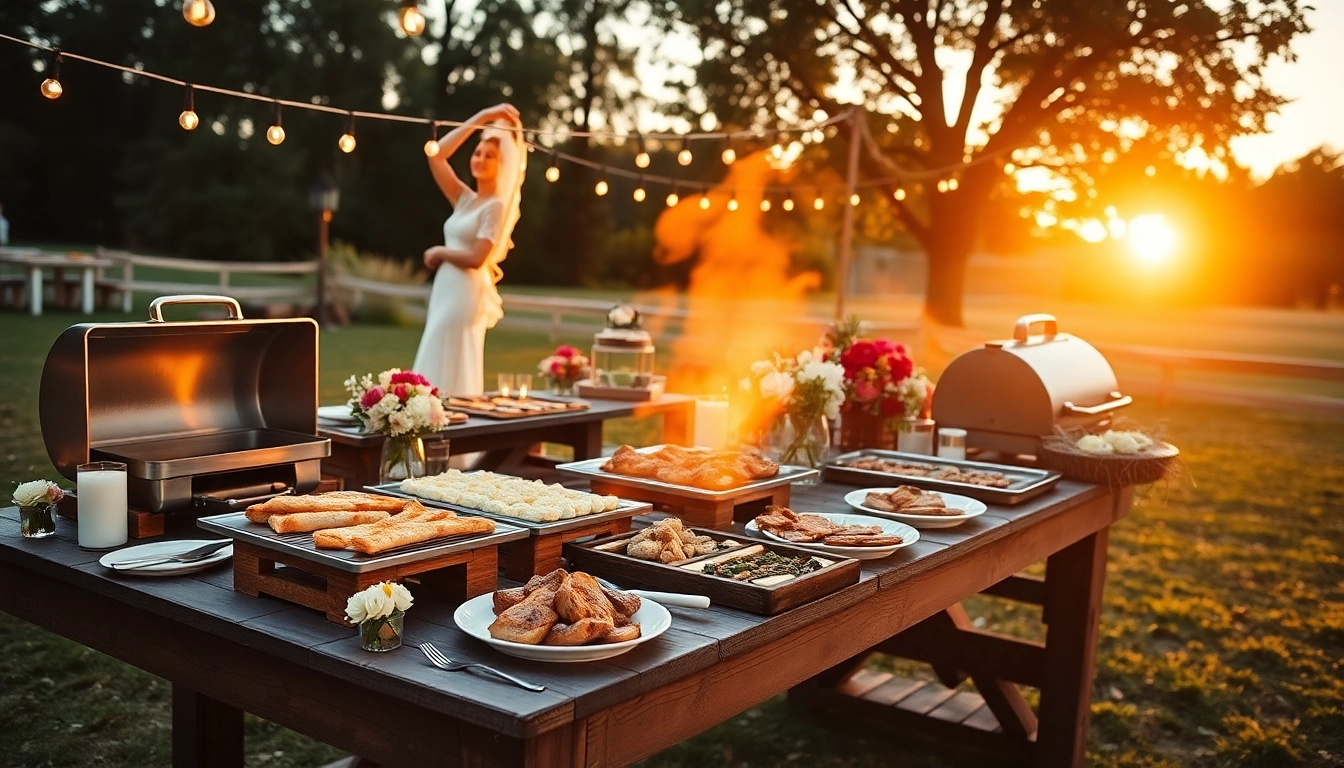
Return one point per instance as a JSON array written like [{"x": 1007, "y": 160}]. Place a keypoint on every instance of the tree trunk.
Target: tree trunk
[{"x": 954, "y": 229}]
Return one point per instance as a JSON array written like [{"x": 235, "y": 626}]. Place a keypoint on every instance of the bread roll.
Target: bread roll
[
  {"x": 400, "y": 535},
  {"x": 316, "y": 521}
]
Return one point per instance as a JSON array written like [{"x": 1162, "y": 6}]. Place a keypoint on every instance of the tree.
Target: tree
[{"x": 1066, "y": 84}]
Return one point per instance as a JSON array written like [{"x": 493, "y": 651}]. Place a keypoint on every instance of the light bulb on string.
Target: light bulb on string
[
  {"x": 411, "y": 19},
  {"x": 432, "y": 146},
  {"x": 818, "y": 203},
  {"x": 729, "y": 155},
  {"x": 553, "y": 173},
  {"x": 198, "y": 13},
  {"x": 854, "y": 199},
  {"x": 765, "y": 203},
  {"x": 952, "y": 183},
  {"x": 51, "y": 87},
  {"x": 732, "y": 201},
  {"x": 777, "y": 150},
  {"x": 347, "y": 140},
  {"x": 275, "y": 134},
  {"x": 942, "y": 185},
  {"x": 704, "y": 201},
  {"x": 788, "y": 201},
  {"x": 899, "y": 194},
  {"x": 639, "y": 193},
  {"x": 189, "y": 119},
  {"x": 672, "y": 197},
  {"x": 642, "y": 155},
  {"x": 684, "y": 156},
  {"x": 602, "y": 185}
]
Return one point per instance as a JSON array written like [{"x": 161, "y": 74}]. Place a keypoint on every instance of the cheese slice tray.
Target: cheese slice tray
[
  {"x": 592, "y": 469},
  {"x": 492, "y": 406},
  {"x": 624, "y": 508},
  {"x": 236, "y": 526},
  {"x": 1023, "y": 482},
  {"x": 606, "y": 557}
]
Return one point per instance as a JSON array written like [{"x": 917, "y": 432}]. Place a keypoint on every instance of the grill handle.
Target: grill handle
[
  {"x": 1022, "y": 329},
  {"x": 1117, "y": 401},
  {"x": 266, "y": 493},
  {"x": 156, "y": 306}
]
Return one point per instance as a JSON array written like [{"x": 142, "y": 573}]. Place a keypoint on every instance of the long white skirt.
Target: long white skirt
[{"x": 452, "y": 348}]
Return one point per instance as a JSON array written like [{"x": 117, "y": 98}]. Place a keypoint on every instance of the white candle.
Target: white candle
[
  {"x": 711, "y": 423},
  {"x": 102, "y": 505}
]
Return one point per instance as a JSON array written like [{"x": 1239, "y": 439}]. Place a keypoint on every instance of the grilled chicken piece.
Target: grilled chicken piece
[
  {"x": 530, "y": 620},
  {"x": 621, "y": 634},
  {"x": 580, "y": 632}
]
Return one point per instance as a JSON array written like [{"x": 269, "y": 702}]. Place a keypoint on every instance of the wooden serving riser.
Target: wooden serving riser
[
  {"x": 704, "y": 513},
  {"x": 539, "y": 553},
  {"x": 456, "y": 575}
]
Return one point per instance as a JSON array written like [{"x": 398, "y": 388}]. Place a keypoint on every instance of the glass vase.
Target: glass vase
[
  {"x": 37, "y": 520},
  {"x": 382, "y": 634},
  {"x": 800, "y": 440},
  {"x": 403, "y": 457}
]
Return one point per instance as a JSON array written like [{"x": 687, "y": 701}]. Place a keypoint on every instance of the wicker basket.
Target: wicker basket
[
  {"x": 860, "y": 429},
  {"x": 1113, "y": 469}
]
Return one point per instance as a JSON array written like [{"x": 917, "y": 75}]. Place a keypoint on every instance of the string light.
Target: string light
[
  {"x": 942, "y": 185},
  {"x": 412, "y": 20},
  {"x": 432, "y": 146},
  {"x": 51, "y": 87},
  {"x": 788, "y": 201},
  {"x": 602, "y": 185},
  {"x": 899, "y": 194},
  {"x": 347, "y": 140},
  {"x": 952, "y": 183},
  {"x": 198, "y": 13},
  {"x": 1009, "y": 169},
  {"x": 854, "y": 199},
  {"x": 765, "y": 203},
  {"x": 276, "y": 134},
  {"x": 684, "y": 156},
  {"x": 704, "y": 201},
  {"x": 818, "y": 203},
  {"x": 672, "y": 198},
  {"x": 553, "y": 173},
  {"x": 728, "y": 155},
  {"x": 778, "y": 149},
  {"x": 188, "y": 119},
  {"x": 641, "y": 157},
  {"x": 640, "y": 194},
  {"x": 732, "y": 201}
]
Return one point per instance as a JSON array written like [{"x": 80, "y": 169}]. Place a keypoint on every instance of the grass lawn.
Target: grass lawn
[{"x": 1221, "y": 643}]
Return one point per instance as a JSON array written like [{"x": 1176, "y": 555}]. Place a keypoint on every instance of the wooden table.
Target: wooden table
[
  {"x": 226, "y": 653},
  {"x": 506, "y": 442},
  {"x": 34, "y": 262}
]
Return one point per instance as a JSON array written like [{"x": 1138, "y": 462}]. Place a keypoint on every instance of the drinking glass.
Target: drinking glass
[
  {"x": 101, "y": 495},
  {"x": 524, "y": 383},
  {"x": 505, "y": 385},
  {"x": 436, "y": 456}
]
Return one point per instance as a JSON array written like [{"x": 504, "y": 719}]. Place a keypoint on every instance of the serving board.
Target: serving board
[
  {"x": 540, "y": 552},
  {"x": 518, "y": 408},
  {"x": 461, "y": 566},
  {"x": 1025, "y": 482},
  {"x": 596, "y": 558}
]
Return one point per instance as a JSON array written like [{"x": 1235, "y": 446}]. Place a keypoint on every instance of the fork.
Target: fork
[
  {"x": 190, "y": 556},
  {"x": 443, "y": 662}
]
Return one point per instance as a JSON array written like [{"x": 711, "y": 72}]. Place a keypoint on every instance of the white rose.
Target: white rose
[
  {"x": 356, "y": 608},
  {"x": 400, "y": 422},
  {"x": 34, "y": 491},
  {"x": 401, "y": 597},
  {"x": 776, "y": 384},
  {"x": 418, "y": 409},
  {"x": 385, "y": 378}
]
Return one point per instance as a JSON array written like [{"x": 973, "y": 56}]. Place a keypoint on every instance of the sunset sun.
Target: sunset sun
[{"x": 1151, "y": 238}]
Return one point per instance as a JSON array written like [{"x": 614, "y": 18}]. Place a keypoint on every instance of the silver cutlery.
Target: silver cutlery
[
  {"x": 190, "y": 556},
  {"x": 443, "y": 662},
  {"x": 664, "y": 598}
]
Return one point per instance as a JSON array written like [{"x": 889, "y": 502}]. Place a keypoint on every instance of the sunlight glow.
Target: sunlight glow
[
  {"x": 1151, "y": 238},
  {"x": 1092, "y": 230}
]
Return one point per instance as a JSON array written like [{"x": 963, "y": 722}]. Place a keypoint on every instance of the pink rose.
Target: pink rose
[
  {"x": 400, "y": 392},
  {"x": 558, "y": 367},
  {"x": 565, "y": 350},
  {"x": 371, "y": 398},
  {"x": 409, "y": 377}
]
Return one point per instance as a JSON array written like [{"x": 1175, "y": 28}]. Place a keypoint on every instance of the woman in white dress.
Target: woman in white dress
[{"x": 464, "y": 302}]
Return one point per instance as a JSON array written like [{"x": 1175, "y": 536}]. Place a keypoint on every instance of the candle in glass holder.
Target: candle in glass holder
[
  {"x": 524, "y": 383},
  {"x": 505, "y": 381},
  {"x": 711, "y": 422},
  {"x": 101, "y": 493}
]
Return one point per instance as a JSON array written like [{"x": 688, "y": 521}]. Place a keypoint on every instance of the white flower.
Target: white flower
[
  {"x": 417, "y": 408},
  {"x": 621, "y": 315},
  {"x": 377, "y": 601},
  {"x": 777, "y": 384},
  {"x": 35, "y": 491},
  {"x": 399, "y": 422},
  {"x": 761, "y": 367}
]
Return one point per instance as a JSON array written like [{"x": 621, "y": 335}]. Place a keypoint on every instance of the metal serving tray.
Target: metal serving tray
[
  {"x": 235, "y": 525},
  {"x": 626, "y": 508},
  {"x": 1027, "y": 483},
  {"x": 788, "y": 473}
]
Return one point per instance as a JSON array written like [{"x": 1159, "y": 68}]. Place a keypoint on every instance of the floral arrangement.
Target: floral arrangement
[
  {"x": 880, "y": 377},
  {"x": 397, "y": 403},
  {"x": 36, "y": 500},
  {"x": 623, "y": 316},
  {"x": 379, "y": 610},
  {"x": 566, "y": 367},
  {"x": 35, "y": 492},
  {"x": 802, "y": 389}
]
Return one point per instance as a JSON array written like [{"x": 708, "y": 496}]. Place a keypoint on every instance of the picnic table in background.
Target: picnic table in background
[{"x": 34, "y": 262}]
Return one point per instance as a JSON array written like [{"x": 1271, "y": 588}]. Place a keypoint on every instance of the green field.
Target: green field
[{"x": 1221, "y": 643}]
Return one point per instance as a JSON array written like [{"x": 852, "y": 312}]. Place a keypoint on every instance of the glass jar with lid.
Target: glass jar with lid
[{"x": 622, "y": 358}]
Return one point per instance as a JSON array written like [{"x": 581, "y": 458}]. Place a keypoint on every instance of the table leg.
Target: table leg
[
  {"x": 1074, "y": 577},
  {"x": 86, "y": 291},
  {"x": 34, "y": 290},
  {"x": 206, "y": 733}
]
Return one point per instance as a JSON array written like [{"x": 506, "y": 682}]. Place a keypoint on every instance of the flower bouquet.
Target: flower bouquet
[
  {"x": 379, "y": 611},
  {"x": 36, "y": 500},
  {"x": 402, "y": 405},
  {"x": 565, "y": 368},
  {"x": 797, "y": 395},
  {"x": 882, "y": 387}
]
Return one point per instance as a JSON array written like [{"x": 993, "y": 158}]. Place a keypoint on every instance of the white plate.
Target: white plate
[
  {"x": 165, "y": 549},
  {"x": 475, "y": 616},
  {"x": 966, "y": 505},
  {"x": 908, "y": 536},
  {"x": 339, "y": 413}
]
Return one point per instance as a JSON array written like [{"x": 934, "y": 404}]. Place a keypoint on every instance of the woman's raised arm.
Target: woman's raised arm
[{"x": 444, "y": 176}]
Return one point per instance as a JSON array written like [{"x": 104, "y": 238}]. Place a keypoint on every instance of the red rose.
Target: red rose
[
  {"x": 557, "y": 368},
  {"x": 891, "y": 407},
  {"x": 400, "y": 392},
  {"x": 371, "y": 398},
  {"x": 901, "y": 367},
  {"x": 862, "y": 354},
  {"x": 566, "y": 351}
]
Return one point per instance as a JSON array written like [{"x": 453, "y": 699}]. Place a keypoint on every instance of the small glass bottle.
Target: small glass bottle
[{"x": 952, "y": 444}]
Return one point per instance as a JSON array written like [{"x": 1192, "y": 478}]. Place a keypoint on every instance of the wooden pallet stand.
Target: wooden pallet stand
[
  {"x": 540, "y": 553},
  {"x": 456, "y": 575},
  {"x": 702, "y": 513}
]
